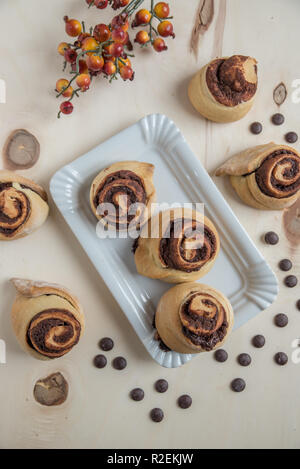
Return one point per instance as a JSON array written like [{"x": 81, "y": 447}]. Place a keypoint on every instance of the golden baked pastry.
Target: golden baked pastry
[
  {"x": 193, "y": 318},
  {"x": 224, "y": 89},
  {"x": 266, "y": 177},
  {"x": 47, "y": 319},
  {"x": 23, "y": 206},
  {"x": 177, "y": 245},
  {"x": 124, "y": 184}
]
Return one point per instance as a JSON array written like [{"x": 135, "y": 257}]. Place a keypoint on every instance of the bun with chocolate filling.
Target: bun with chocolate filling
[
  {"x": 128, "y": 187},
  {"x": 193, "y": 318},
  {"x": 266, "y": 177},
  {"x": 224, "y": 89},
  {"x": 177, "y": 245},
  {"x": 23, "y": 206},
  {"x": 47, "y": 319}
]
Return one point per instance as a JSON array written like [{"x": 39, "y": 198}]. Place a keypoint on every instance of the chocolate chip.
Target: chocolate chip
[
  {"x": 258, "y": 341},
  {"x": 161, "y": 385},
  {"x": 184, "y": 401},
  {"x": 281, "y": 320},
  {"x": 137, "y": 394},
  {"x": 156, "y": 415},
  {"x": 271, "y": 237},
  {"x": 298, "y": 304},
  {"x": 291, "y": 137},
  {"x": 277, "y": 118},
  {"x": 285, "y": 265},
  {"x": 238, "y": 385},
  {"x": 256, "y": 128},
  {"x": 221, "y": 355},
  {"x": 106, "y": 344},
  {"x": 100, "y": 361},
  {"x": 281, "y": 358},
  {"x": 119, "y": 363},
  {"x": 244, "y": 359},
  {"x": 290, "y": 281}
]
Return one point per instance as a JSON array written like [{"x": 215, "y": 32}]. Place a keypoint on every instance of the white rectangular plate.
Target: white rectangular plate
[{"x": 240, "y": 271}]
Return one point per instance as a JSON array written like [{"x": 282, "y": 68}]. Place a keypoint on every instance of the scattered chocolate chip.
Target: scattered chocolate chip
[
  {"x": 258, "y": 341},
  {"x": 290, "y": 281},
  {"x": 285, "y": 265},
  {"x": 277, "y": 118},
  {"x": 161, "y": 385},
  {"x": 137, "y": 394},
  {"x": 244, "y": 359},
  {"x": 221, "y": 355},
  {"x": 281, "y": 320},
  {"x": 106, "y": 344},
  {"x": 256, "y": 128},
  {"x": 119, "y": 363},
  {"x": 298, "y": 304},
  {"x": 238, "y": 385},
  {"x": 184, "y": 401},
  {"x": 291, "y": 137},
  {"x": 156, "y": 415},
  {"x": 271, "y": 237},
  {"x": 281, "y": 358},
  {"x": 100, "y": 361},
  {"x": 52, "y": 390},
  {"x": 21, "y": 150}
]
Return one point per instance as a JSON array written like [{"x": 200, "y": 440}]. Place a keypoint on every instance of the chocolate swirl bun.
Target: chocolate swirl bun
[
  {"x": 224, "y": 89},
  {"x": 177, "y": 245},
  {"x": 23, "y": 206},
  {"x": 128, "y": 187},
  {"x": 266, "y": 177},
  {"x": 192, "y": 318},
  {"x": 47, "y": 319}
]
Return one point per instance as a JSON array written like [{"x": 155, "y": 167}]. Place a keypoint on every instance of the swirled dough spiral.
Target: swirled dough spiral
[
  {"x": 47, "y": 319},
  {"x": 23, "y": 206},
  {"x": 124, "y": 185},
  {"x": 193, "y": 318},
  {"x": 266, "y": 177},
  {"x": 177, "y": 245},
  {"x": 224, "y": 89}
]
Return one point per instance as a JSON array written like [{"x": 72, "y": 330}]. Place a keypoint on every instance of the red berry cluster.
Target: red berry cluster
[
  {"x": 106, "y": 48},
  {"x": 154, "y": 36}
]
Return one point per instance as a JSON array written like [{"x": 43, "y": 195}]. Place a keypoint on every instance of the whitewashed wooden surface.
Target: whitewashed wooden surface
[{"x": 99, "y": 413}]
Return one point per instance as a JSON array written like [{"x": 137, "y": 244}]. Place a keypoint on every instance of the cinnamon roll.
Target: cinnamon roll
[
  {"x": 47, "y": 319},
  {"x": 177, "y": 245},
  {"x": 23, "y": 206},
  {"x": 224, "y": 89},
  {"x": 127, "y": 186},
  {"x": 266, "y": 177},
  {"x": 193, "y": 318}
]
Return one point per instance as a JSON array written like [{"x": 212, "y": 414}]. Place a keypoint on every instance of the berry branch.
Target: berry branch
[{"x": 106, "y": 49}]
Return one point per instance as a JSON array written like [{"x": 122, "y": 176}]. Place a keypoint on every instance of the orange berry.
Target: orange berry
[
  {"x": 95, "y": 63},
  {"x": 165, "y": 29},
  {"x": 109, "y": 68},
  {"x": 159, "y": 44},
  {"x": 83, "y": 81},
  {"x": 142, "y": 17},
  {"x": 89, "y": 44},
  {"x": 127, "y": 73},
  {"x": 162, "y": 9},
  {"x": 61, "y": 84},
  {"x": 101, "y": 32},
  {"x": 62, "y": 47},
  {"x": 120, "y": 21},
  {"x": 124, "y": 63},
  {"x": 73, "y": 27},
  {"x": 142, "y": 37}
]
